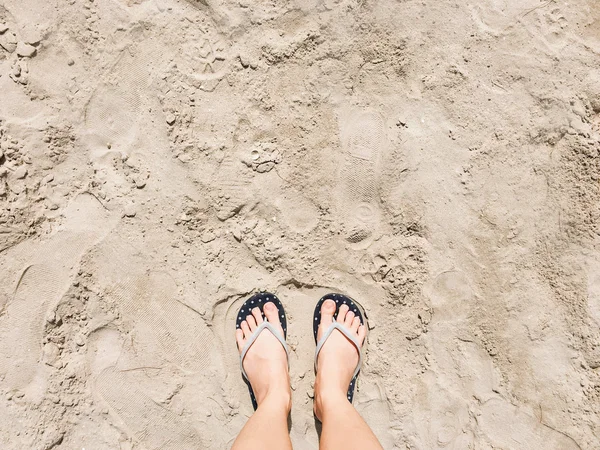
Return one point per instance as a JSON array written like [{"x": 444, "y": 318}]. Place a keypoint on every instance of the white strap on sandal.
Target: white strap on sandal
[
  {"x": 337, "y": 326},
  {"x": 265, "y": 325}
]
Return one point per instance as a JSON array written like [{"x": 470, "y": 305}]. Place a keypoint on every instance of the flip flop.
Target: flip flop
[
  {"x": 259, "y": 300},
  {"x": 339, "y": 300}
]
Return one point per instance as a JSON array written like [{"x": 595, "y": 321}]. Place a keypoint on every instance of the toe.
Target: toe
[
  {"x": 239, "y": 338},
  {"x": 355, "y": 324},
  {"x": 271, "y": 313},
  {"x": 342, "y": 313},
  {"x": 348, "y": 319},
  {"x": 327, "y": 312},
  {"x": 251, "y": 322},
  {"x": 362, "y": 333},
  {"x": 246, "y": 329},
  {"x": 257, "y": 315}
]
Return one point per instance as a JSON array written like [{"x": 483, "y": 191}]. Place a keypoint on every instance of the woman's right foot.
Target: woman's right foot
[
  {"x": 338, "y": 357},
  {"x": 266, "y": 361}
]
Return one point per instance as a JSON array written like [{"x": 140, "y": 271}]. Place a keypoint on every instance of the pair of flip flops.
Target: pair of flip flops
[{"x": 259, "y": 300}]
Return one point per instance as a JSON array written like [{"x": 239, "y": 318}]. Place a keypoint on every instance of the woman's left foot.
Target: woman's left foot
[{"x": 338, "y": 358}]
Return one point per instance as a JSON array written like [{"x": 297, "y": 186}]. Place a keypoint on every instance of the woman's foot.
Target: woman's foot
[
  {"x": 338, "y": 357},
  {"x": 265, "y": 362}
]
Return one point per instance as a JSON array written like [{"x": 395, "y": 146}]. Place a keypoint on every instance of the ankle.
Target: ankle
[
  {"x": 328, "y": 399},
  {"x": 328, "y": 387},
  {"x": 279, "y": 398}
]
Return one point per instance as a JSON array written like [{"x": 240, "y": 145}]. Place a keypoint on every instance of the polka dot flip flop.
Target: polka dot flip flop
[
  {"x": 339, "y": 300},
  {"x": 259, "y": 300}
]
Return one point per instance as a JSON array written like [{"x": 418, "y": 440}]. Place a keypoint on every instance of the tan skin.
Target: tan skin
[{"x": 266, "y": 366}]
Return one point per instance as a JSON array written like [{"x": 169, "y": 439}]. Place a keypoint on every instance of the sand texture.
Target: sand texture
[{"x": 438, "y": 161}]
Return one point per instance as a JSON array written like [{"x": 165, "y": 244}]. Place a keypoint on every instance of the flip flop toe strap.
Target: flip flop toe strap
[
  {"x": 254, "y": 336},
  {"x": 336, "y": 326}
]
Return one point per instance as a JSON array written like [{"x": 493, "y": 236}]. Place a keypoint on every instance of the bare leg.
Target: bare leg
[
  {"x": 266, "y": 366},
  {"x": 343, "y": 428},
  {"x": 266, "y": 429}
]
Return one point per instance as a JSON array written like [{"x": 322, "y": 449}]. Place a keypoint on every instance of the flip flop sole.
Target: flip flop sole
[
  {"x": 355, "y": 307},
  {"x": 258, "y": 301}
]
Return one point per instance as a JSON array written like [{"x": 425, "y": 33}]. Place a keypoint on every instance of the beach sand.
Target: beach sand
[{"x": 161, "y": 160}]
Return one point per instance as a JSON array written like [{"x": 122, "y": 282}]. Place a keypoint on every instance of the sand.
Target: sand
[{"x": 160, "y": 160}]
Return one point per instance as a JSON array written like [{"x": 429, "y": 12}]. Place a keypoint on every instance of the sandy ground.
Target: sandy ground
[{"x": 436, "y": 160}]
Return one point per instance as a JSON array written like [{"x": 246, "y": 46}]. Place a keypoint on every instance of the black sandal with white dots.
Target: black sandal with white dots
[
  {"x": 358, "y": 311},
  {"x": 258, "y": 301}
]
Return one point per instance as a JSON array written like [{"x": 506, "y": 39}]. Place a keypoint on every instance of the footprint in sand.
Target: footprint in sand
[
  {"x": 111, "y": 118},
  {"x": 147, "y": 302},
  {"x": 463, "y": 370},
  {"x": 232, "y": 182},
  {"x": 203, "y": 57},
  {"x": 450, "y": 294},
  {"x": 115, "y": 112},
  {"x": 21, "y": 331},
  {"x": 440, "y": 418},
  {"x": 205, "y": 61},
  {"x": 374, "y": 406},
  {"x": 297, "y": 211},
  {"x": 46, "y": 276},
  {"x": 168, "y": 343},
  {"x": 510, "y": 427},
  {"x": 143, "y": 419},
  {"x": 364, "y": 141},
  {"x": 443, "y": 401}
]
